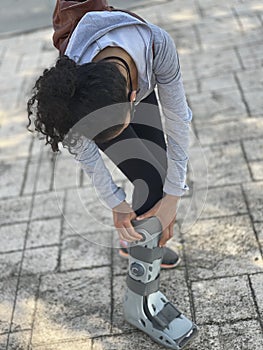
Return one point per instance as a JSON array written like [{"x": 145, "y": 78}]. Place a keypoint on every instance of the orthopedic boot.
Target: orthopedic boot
[{"x": 145, "y": 307}]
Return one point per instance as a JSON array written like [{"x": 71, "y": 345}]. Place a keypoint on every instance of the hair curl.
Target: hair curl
[{"x": 67, "y": 92}]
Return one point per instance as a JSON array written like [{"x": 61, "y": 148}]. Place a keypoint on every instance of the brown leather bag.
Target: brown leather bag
[{"x": 67, "y": 14}]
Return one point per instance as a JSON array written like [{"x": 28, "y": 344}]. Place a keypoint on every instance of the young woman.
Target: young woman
[{"x": 115, "y": 58}]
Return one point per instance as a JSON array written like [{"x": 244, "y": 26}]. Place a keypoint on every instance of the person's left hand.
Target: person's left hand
[{"x": 165, "y": 211}]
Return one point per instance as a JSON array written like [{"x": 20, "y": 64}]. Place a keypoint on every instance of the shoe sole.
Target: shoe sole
[{"x": 163, "y": 266}]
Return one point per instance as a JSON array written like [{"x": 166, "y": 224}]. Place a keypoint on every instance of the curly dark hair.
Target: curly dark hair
[{"x": 67, "y": 92}]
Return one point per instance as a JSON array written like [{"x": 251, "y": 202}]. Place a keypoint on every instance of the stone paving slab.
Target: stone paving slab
[
  {"x": 10, "y": 264},
  {"x": 14, "y": 209},
  {"x": 253, "y": 149},
  {"x": 257, "y": 170},
  {"x": 3, "y": 341},
  {"x": 217, "y": 105},
  {"x": 48, "y": 205},
  {"x": 256, "y": 281},
  {"x": 221, "y": 247},
  {"x": 7, "y": 296},
  {"x": 254, "y": 101},
  {"x": 255, "y": 200},
  {"x": 86, "y": 251},
  {"x": 73, "y": 305},
  {"x": 12, "y": 237},
  {"x": 12, "y": 175},
  {"x": 210, "y": 203},
  {"x": 40, "y": 260},
  {"x": 126, "y": 342},
  {"x": 42, "y": 174},
  {"x": 66, "y": 173},
  {"x": 84, "y": 212},
  {"x": 68, "y": 345},
  {"x": 226, "y": 165},
  {"x": 223, "y": 300},
  {"x": 251, "y": 55},
  {"x": 259, "y": 232},
  {"x": 231, "y": 131},
  {"x": 44, "y": 232},
  {"x": 19, "y": 340},
  {"x": 242, "y": 335},
  {"x": 25, "y": 303}
]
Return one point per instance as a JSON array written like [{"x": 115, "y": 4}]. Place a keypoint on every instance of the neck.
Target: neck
[{"x": 119, "y": 52}]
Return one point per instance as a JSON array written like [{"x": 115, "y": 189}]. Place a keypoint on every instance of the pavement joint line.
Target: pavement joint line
[
  {"x": 15, "y": 331},
  {"x": 2, "y": 55},
  {"x": 199, "y": 9},
  {"x": 242, "y": 94},
  {"x": 223, "y": 216},
  {"x": 260, "y": 18},
  {"x": 13, "y": 223},
  {"x": 252, "y": 221},
  {"x": 247, "y": 161},
  {"x": 255, "y": 303},
  {"x": 213, "y": 278},
  {"x": 19, "y": 63},
  {"x": 198, "y": 39},
  {"x": 53, "y": 272},
  {"x": 107, "y": 335},
  {"x": 53, "y": 162},
  {"x": 112, "y": 277},
  {"x": 232, "y": 322},
  {"x": 26, "y": 167},
  {"x": 220, "y": 338},
  {"x": 236, "y": 16},
  {"x": 87, "y": 268},
  {"x": 149, "y": 4},
  {"x": 186, "y": 275},
  {"x": 23, "y": 252},
  {"x": 226, "y": 143},
  {"x": 80, "y": 235},
  {"x": 35, "y": 310},
  {"x": 29, "y": 248},
  {"x": 237, "y": 184},
  {"x": 81, "y": 178},
  {"x": 239, "y": 58}
]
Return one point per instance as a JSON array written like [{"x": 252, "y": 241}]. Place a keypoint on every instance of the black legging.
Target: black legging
[{"x": 140, "y": 153}]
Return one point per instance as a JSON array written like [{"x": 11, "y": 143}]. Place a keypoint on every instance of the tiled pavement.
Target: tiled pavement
[{"x": 60, "y": 290}]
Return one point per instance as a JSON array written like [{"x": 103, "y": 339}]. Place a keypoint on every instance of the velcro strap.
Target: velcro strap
[
  {"x": 143, "y": 289},
  {"x": 166, "y": 315},
  {"x": 146, "y": 254}
]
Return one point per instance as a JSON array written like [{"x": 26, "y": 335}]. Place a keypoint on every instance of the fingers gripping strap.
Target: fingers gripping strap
[
  {"x": 143, "y": 288},
  {"x": 145, "y": 254},
  {"x": 166, "y": 315}
]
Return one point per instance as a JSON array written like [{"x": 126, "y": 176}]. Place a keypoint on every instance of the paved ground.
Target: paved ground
[
  {"x": 28, "y": 15},
  {"x": 61, "y": 291}
]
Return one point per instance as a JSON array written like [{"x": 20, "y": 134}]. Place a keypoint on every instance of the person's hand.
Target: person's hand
[
  {"x": 165, "y": 211},
  {"x": 122, "y": 216}
]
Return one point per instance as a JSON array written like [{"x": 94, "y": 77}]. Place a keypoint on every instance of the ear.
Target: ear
[{"x": 133, "y": 96}]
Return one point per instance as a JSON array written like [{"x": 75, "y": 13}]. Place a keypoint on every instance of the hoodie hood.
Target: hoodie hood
[{"x": 98, "y": 23}]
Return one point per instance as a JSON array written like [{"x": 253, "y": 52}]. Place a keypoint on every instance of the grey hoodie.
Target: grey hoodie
[{"x": 161, "y": 70}]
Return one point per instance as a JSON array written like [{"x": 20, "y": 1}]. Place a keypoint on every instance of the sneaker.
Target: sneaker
[{"x": 170, "y": 258}]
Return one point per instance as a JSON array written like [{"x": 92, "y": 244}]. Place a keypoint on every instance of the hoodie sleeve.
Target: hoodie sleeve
[{"x": 177, "y": 114}]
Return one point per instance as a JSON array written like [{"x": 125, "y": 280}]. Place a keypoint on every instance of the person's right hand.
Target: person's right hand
[{"x": 122, "y": 216}]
